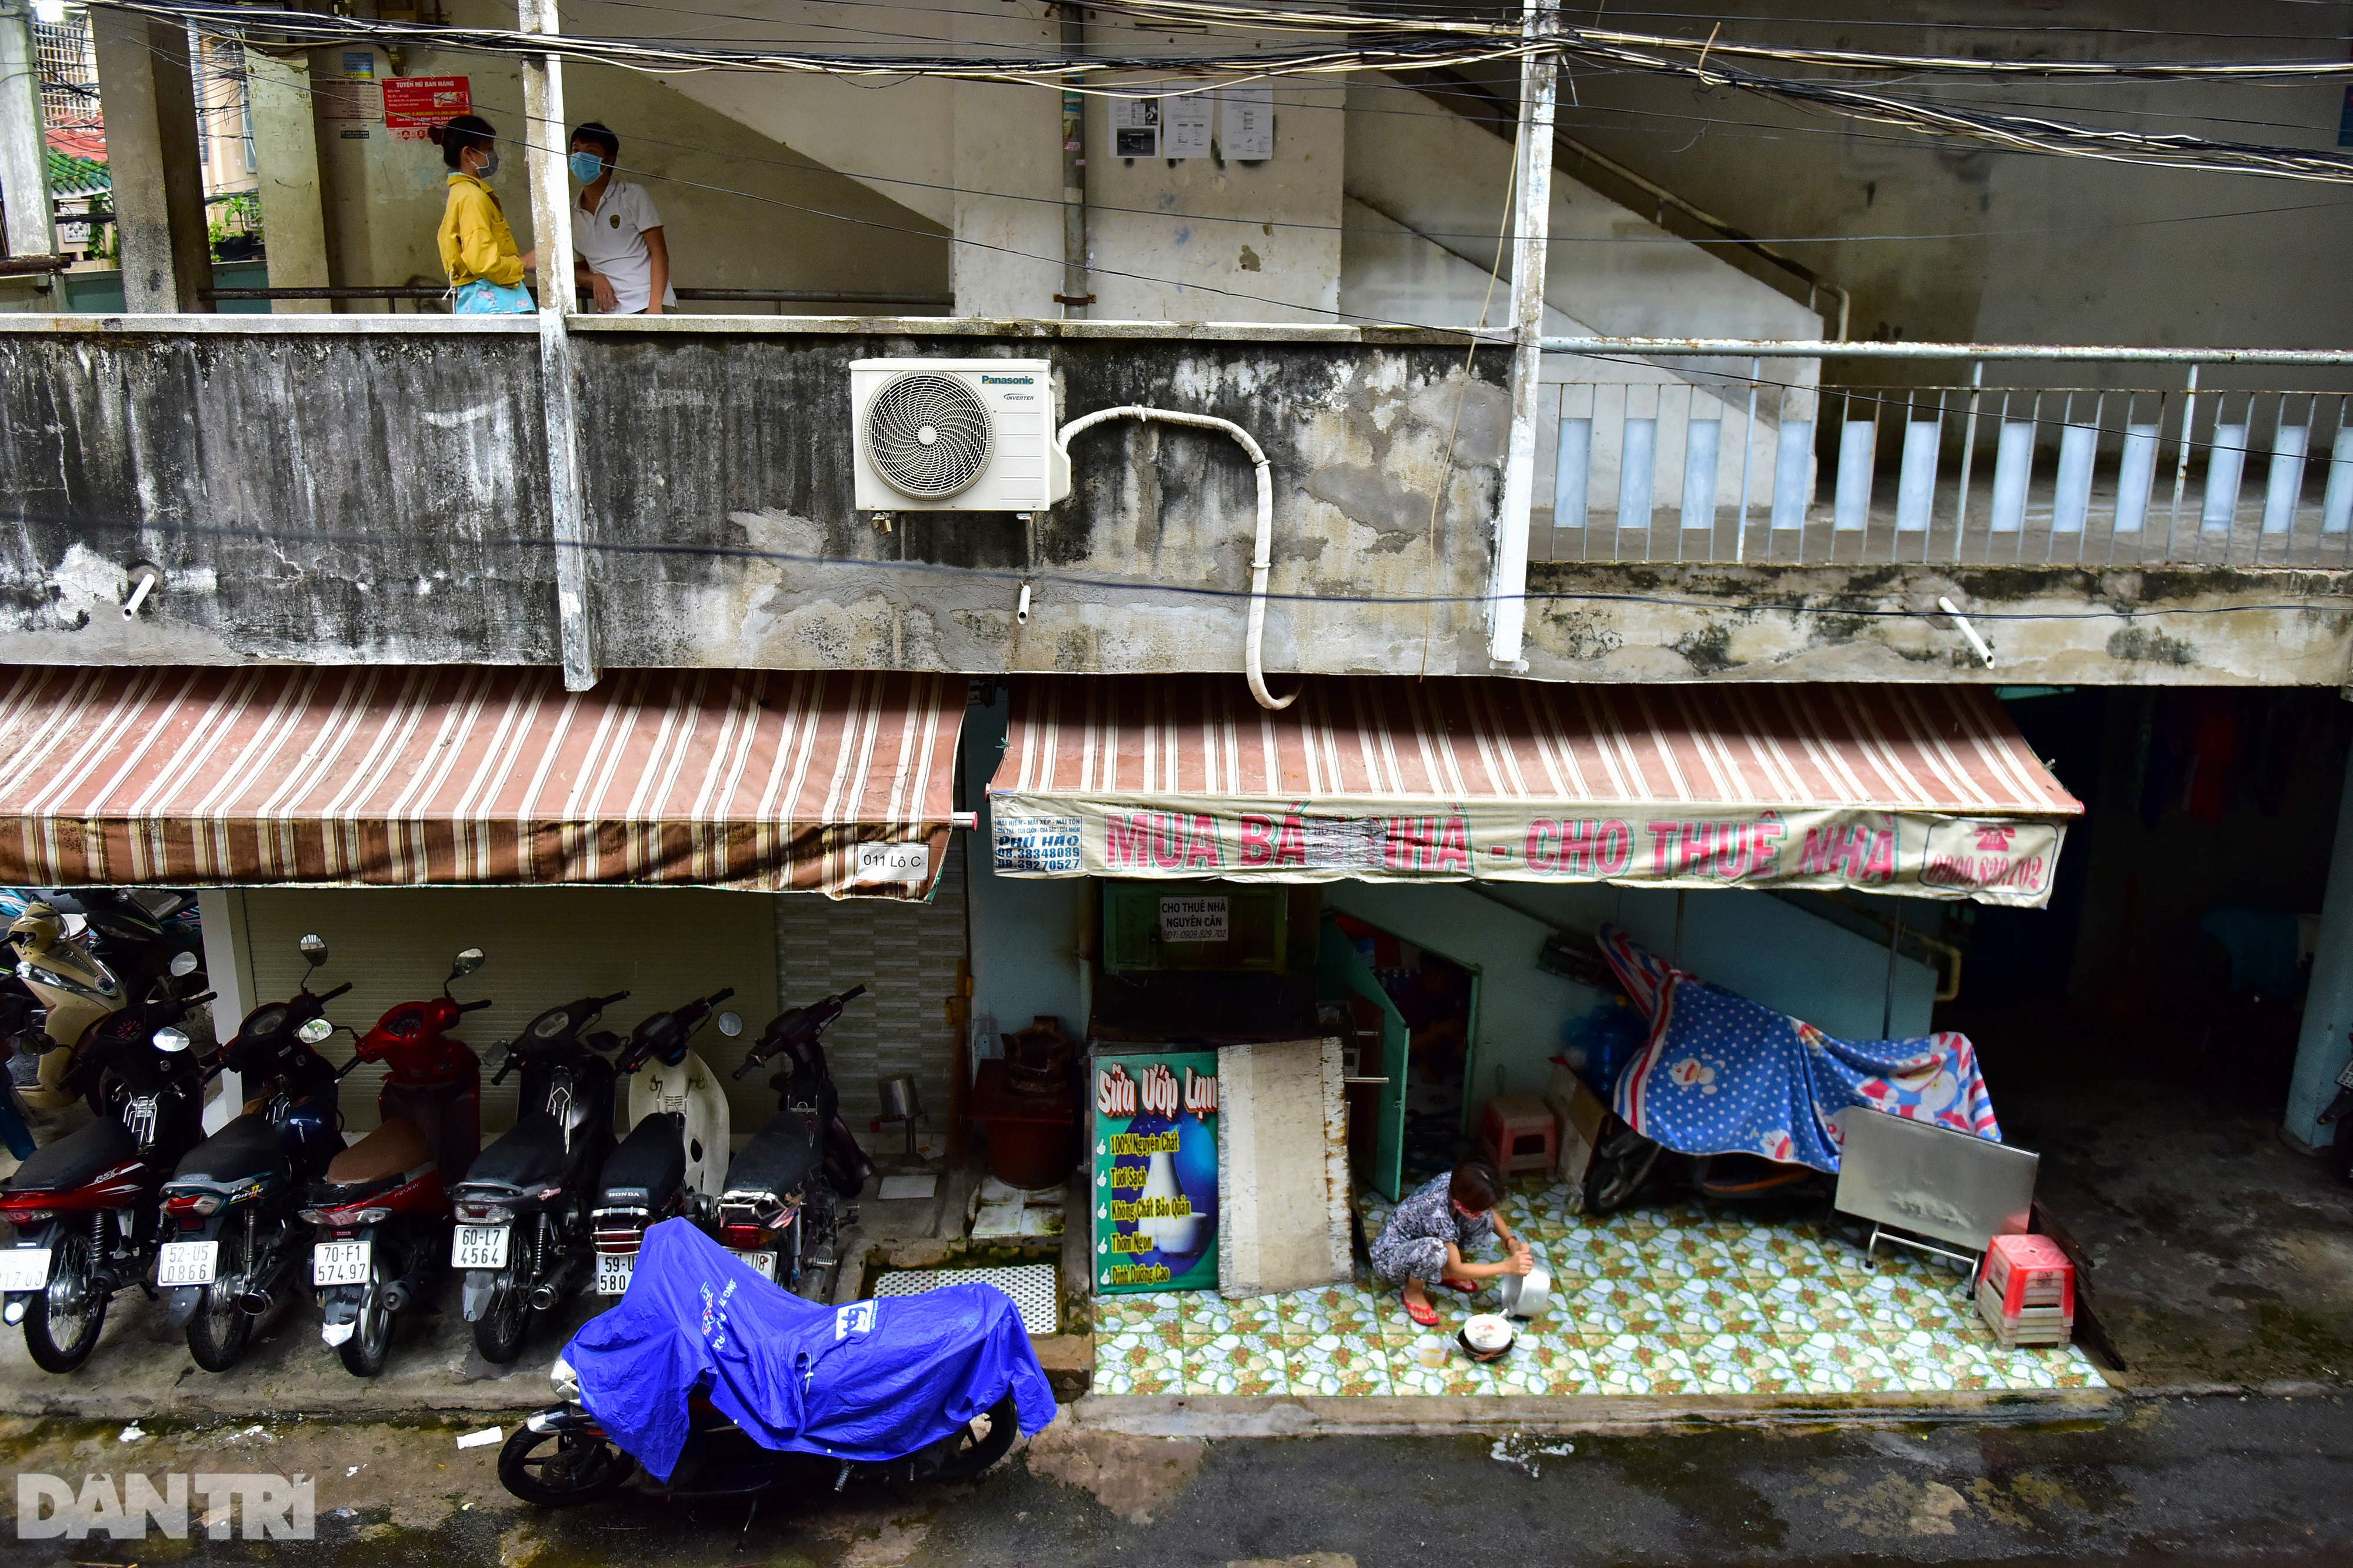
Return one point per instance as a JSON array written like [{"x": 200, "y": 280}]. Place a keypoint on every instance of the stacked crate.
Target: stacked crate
[{"x": 2026, "y": 1291}]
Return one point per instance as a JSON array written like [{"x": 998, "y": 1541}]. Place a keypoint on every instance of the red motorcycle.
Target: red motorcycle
[
  {"x": 86, "y": 1207},
  {"x": 383, "y": 1209}
]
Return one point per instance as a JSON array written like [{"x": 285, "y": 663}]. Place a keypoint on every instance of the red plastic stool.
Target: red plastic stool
[{"x": 1518, "y": 1133}]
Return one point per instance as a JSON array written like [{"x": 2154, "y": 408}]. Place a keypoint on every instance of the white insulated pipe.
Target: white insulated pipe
[{"x": 1253, "y": 657}]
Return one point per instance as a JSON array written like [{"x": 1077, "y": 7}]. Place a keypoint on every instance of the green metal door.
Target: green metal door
[{"x": 1341, "y": 971}]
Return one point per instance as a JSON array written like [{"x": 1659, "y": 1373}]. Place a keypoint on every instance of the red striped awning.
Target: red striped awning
[
  {"x": 839, "y": 784},
  {"x": 1923, "y": 789}
]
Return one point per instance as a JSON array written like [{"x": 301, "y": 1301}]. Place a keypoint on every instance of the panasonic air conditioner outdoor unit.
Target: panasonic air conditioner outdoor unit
[{"x": 955, "y": 435}]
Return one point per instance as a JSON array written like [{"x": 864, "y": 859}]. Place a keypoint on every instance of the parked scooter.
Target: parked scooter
[
  {"x": 138, "y": 933},
  {"x": 232, "y": 1207},
  {"x": 771, "y": 1208},
  {"x": 1625, "y": 1162},
  {"x": 383, "y": 1209},
  {"x": 673, "y": 1159},
  {"x": 2340, "y": 1115},
  {"x": 85, "y": 1208},
  {"x": 73, "y": 992},
  {"x": 522, "y": 1237}
]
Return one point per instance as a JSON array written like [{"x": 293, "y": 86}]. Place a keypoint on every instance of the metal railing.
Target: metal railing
[{"x": 1738, "y": 466}]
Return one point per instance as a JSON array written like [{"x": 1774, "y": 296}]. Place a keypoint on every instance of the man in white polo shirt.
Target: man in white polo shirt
[{"x": 616, "y": 235}]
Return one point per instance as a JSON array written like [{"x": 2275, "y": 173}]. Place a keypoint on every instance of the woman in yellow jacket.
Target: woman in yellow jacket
[{"x": 478, "y": 249}]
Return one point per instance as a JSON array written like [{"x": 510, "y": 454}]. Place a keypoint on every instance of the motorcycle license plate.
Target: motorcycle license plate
[
  {"x": 761, "y": 1263},
  {"x": 186, "y": 1263},
  {"x": 2344, "y": 1079},
  {"x": 24, "y": 1268},
  {"x": 341, "y": 1262},
  {"x": 478, "y": 1246},
  {"x": 614, "y": 1270}
]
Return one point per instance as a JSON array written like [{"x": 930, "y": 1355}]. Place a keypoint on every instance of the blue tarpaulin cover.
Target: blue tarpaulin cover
[
  {"x": 865, "y": 1381},
  {"x": 1720, "y": 1074}
]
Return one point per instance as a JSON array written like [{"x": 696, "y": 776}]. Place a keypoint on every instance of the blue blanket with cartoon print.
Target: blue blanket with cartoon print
[{"x": 865, "y": 1381}]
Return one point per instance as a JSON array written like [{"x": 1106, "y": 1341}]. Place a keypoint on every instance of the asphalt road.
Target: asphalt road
[{"x": 2199, "y": 1480}]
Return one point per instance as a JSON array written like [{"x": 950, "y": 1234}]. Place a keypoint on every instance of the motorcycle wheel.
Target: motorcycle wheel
[
  {"x": 1621, "y": 1163},
  {"x": 364, "y": 1352},
  {"x": 221, "y": 1328},
  {"x": 498, "y": 1333},
  {"x": 561, "y": 1469},
  {"x": 62, "y": 1322},
  {"x": 841, "y": 1179},
  {"x": 975, "y": 1451}
]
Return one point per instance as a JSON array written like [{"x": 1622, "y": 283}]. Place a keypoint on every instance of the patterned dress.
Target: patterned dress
[{"x": 1412, "y": 1246}]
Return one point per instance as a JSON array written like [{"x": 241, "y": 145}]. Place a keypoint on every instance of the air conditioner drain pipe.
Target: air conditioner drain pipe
[{"x": 1255, "y": 649}]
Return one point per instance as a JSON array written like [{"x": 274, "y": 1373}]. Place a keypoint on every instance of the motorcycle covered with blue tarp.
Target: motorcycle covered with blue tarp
[{"x": 717, "y": 1382}]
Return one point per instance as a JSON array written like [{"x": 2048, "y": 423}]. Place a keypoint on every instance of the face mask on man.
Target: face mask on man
[{"x": 585, "y": 167}]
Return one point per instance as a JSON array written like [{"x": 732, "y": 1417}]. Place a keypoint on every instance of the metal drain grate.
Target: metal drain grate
[{"x": 1031, "y": 1286}]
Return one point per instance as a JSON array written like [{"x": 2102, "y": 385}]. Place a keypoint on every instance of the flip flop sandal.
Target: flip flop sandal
[{"x": 1426, "y": 1316}]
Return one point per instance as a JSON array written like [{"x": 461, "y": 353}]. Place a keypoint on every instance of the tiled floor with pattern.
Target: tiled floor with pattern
[{"x": 1673, "y": 1300}]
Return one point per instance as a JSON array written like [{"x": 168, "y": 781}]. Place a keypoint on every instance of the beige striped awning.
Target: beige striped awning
[
  {"x": 837, "y": 783},
  {"x": 1926, "y": 789}
]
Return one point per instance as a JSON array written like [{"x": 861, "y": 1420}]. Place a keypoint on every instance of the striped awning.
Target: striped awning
[
  {"x": 837, "y": 783},
  {"x": 1924, "y": 790}
]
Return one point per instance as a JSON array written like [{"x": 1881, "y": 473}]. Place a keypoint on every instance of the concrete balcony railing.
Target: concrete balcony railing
[{"x": 333, "y": 490}]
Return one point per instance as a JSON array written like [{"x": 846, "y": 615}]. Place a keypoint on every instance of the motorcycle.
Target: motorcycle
[
  {"x": 769, "y": 1206},
  {"x": 521, "y": 1240},
  {"x": 677, "y": 1387},
  {"x": 73, "y": 991},
  {"x": 233, "y": 1206},
  {"x": 669, "y": 1163},
  {"x": 383, "y": 1209},
  {"x": 2340, "y": 1115},
  {"x": 86, "y": 1207},
  {"x": 138, "y": 933},
  {"x": 1624, "y": 1162}
]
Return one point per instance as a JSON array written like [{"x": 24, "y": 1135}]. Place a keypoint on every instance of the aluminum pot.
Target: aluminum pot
[{"x": 1525, "y": 1295}]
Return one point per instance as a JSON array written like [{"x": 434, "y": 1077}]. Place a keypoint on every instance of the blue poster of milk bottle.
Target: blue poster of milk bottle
[{"x": 1155, "y": 1172}]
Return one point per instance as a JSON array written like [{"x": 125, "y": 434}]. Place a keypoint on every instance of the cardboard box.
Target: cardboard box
[{"x": 1581, "y": 1113}]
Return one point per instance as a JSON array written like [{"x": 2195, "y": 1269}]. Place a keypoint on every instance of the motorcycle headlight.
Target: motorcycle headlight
[{"x": 566, "y": 1380}]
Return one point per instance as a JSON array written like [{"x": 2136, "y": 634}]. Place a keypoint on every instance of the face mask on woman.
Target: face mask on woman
[
  {"x": 489, "y": 165},
  {"x": 585, "y": 167}
]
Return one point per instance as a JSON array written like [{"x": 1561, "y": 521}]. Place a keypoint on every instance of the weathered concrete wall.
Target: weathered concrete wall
[{"x": 336, "y": 489}]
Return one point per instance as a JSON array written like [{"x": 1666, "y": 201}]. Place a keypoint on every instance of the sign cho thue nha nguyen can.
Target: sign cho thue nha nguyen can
[{"x": 1155, "y": 1171}]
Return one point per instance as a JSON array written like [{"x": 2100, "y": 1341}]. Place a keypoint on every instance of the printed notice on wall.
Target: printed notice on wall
[
  {"x": 1039, "y": 845},
  {"x": 349, "y": 100},
  {"x": 1136, "y": 127},
  {"x": 412, "y": 104},
  {"x": 1194, "y": 920},
  {"x": 1246, "y": 128},
  {"x": 1185, "y": 125}
]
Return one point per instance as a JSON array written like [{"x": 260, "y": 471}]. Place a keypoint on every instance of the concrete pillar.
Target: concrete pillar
[
  {"x": 23, "y": 149},
  {"x": 229, "y": 968},
  {"x": 154, "y": 159},
  {"x": 285, "y": 145},
  {"x": 2321, "y": 1052}
]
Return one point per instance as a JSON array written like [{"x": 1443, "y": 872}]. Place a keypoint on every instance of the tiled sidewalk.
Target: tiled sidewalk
[{"x": 1670, "y": 1301}]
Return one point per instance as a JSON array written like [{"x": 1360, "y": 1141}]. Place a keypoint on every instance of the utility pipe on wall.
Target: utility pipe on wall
[
  {"x": 1075, "y": 296},
  {"x": 1261, "y": 560},
  {"x": 1507, "y": 587}
]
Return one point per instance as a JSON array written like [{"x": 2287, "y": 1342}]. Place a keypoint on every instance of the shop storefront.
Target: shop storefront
[{"x": 1393, "y": 865}]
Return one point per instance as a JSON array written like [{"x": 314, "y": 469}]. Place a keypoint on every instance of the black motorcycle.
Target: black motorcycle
[
  {"x": 86, "y": 1209},
  {"x": 644, "y": 1181},
  {"x": 138, "y": 934},
  {"x": 769, "y": 1204},
  {"x": 521, "y": 1240},
  {"x": 232, "y": 1209}
]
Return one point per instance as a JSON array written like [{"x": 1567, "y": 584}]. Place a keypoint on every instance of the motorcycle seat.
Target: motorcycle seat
[
  {"x": 75, "y": 1159},
  {"x": 529, "y": 1156},
  {"x": 246, "y": 1147},
  {"x": 779, "y": 1158},
  {"x": 384, "y": 1156},
  {"x": 650, "y": 1164}
]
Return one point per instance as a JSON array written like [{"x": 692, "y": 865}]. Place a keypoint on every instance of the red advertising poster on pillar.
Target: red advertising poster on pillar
[{"x": 412, "y": 104}]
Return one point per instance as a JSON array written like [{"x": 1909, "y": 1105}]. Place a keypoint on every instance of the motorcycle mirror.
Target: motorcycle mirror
[
  {"x": 314, "y": 1031},
  {"x": 730, "y": 1024},
  {"x": 468, "y": 961},
  {"x": 314, "y": 949},
  {"x": 182, "y": 965},
  {"x": 172, "y": 1041}
]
